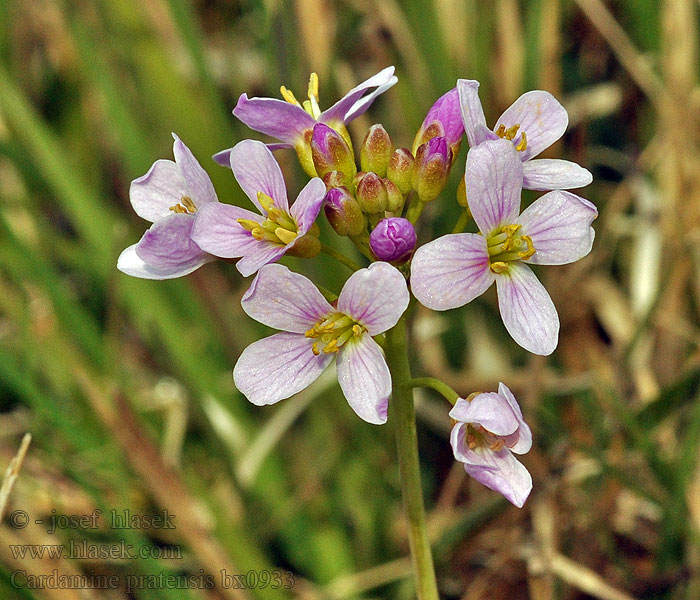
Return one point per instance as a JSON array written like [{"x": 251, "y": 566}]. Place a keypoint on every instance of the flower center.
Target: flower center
[
  {"x": 278, "y": 226},
  {"x": 333, "y": 331},
  {"x": 510, "y": 133},
  {"x": 310, "y": 105},
  {"x": 185, "y": 206},
  {"x": 505, "y": 246},
  {"x": 479, "y": 437}
]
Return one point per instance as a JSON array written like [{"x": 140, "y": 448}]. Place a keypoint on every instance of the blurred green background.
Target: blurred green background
[{"x": 126, "y": 384}]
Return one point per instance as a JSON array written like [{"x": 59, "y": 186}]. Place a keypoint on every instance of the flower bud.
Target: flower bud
[
  {"x": 462, "y": 194},
  {"x": 371, "y": 194},
  {"x": 393, "y": 240},
  {"x": 343, "y": 212},
  {"x": 330, "y": 152},
  {"x": 307, "y": 246},
  {"x": 444, "y": 119},
  {"x": 395, "y": 198},
  {"x": 433, "y": 161},
  {"x": 376, "y": 151},
  {"x": 333, "y": 179},
  {"x": 400, "y": 169}
]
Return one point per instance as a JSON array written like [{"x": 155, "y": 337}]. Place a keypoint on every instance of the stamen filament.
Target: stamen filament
[{"x": 289, "y": 96}]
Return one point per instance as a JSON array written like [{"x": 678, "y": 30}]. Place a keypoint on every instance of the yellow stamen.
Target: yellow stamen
[
  {"x": 522, "y": 144},
  {"x": 247, "y": 224},
  {"x": 289, "y": 96},
  {"x": 265, "y": 201},
  {"x": 331, "y": 346},
  {"x": 285, "y": 235},
  {"x": 499, "y": 267},
  {"x": 357, "y": 330},
  {"x": 497, "y": 445},
  {"x": 313, "y": 86},
  {"x": 186, "y": 206},
  {"x": 526, "y": 254},
  {"x": 178, "y": 208},
  {"x": 314, "y": 349}
]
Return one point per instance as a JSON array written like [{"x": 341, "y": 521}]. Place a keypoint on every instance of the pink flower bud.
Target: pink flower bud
[
  {"x": 330, "y": 152},
  {"x": 376, "y": 151},
  {"x": 344, "y": 213},
  {"x": 393, "y": 240},
  {"x": 433, "y": 162}
]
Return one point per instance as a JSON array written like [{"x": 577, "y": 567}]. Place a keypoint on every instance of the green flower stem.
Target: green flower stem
[
  {"x": 415, "y": 208},
  {"x": 403, "y": 417},
  {"x": 439, "y": 386},
  {"x": 350, "y": 264},
  {"x": 461, "y": 222}
]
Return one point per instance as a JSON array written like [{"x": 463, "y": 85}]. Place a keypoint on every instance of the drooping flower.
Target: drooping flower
[
  {"x": 291, "y": 121},
  {"x": 169, "y": 195},
  {"x": 489, "y": 428},
  {"x": 393, "y": 239},
  {"x": 532, "y": 123},
  {"x": 228, "y": 231},
  {"x": 553, "y": 230},
  {"x": 314, "y": 333}
]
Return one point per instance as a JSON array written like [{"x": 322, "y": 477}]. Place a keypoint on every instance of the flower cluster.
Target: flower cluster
[{"x": 377, "y": 205}]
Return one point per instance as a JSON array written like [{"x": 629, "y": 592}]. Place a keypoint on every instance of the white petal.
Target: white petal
[
  {"x": 130, "y": 263},
  {"x": 154, "y": 193},
  {"x": 554, "y": 174}
]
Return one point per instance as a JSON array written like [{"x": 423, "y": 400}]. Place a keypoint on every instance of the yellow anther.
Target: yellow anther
[
  {"x": 314, "y": 349},
  {"x": 247, "y": 224},
  {"x": 186, "y": 201},
  {"x": 471, "y": 441},
  {"x": 525, "y": 254},
  {"x": 508, "y": 134},
  {"x": 265, "y": 201},
  {"x": 522, "y": 144},
  {"x": 313, "y": 86},
  {"x": 499, "y": 267},
  {"x": 178, "y": 208},
  {"x": 497, "y": 445},
  {"x": 285, "y": 235},
  {"x": 257, "y": 233},
  {"x": 331, "y": 346},
  {"x": 357, "y": 330},
  {"x": 289, "y": 96}
]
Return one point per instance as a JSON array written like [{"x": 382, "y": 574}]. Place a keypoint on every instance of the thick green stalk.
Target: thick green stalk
[{"x": 403, "y": 417}]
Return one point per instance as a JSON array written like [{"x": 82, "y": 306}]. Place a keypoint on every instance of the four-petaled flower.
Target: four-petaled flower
[
  {"x": 533, "y": 122},
  {"x": 314, "y": 333},
  {"x": 291, "y": 122},
  {"x": 489, "y": 428},
  {"x": 169, "y": 196},
  {"x": 554, "y": 230},
  {"x": 228, "y": 231}
]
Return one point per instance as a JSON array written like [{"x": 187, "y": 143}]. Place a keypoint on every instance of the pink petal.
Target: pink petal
[
  {"x": 494, "y": 179},
  {"x": 376, "y": 297},
  {"x": 130, "y": 263},
  {"x": 277, "y": 118},
  {"x": 256, "y": 170},
  {"x": 199, "y": 186},
  {"x": 284, "y": 300},
  {"x": 540, "y": 116},
  {"x": 308, "y": 204},
  {"x": 278, "y": 367},
  {"x": 167, "y": 244},
  {"x": 216, "y": 229},
  {"x": 364, "y": 377},
  {"x": 154, "y": 193},
  {"x": 353, "y": 104},
  {"x": 473, "y": 113},
  {"x": 521, "y": 441},
  {"x": 451, "y": 271},
  {"x": 490, "y": 410},
  {"x": 554, "y": 174},
  {"x": 559, "y": 224},
  {"x": 527, "y": 310}
]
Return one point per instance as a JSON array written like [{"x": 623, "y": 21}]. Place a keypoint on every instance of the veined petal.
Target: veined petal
[
  {"x": 223, "y": 157},
  {"x": 521, "y": 441},
  {"x": 503, "y": 474},
  {"x": 527, "y": 310},
  {"x": 284, "y": 300},
  {"x": 473, "y": 113},
  {"x": 494, "y": 180},
  {"x": 559, "y": 224},
  {"x": 199, "y": 187},
  {"x": 308, "y": 204},
  {"x": 376, "y": 297},
  {"x": 256, "y": 170},
  {"x": 278, "y": 367},
  {"x": 277, "y": 118},
  {"x": 364, "y": 377},
  {"x": 353, "y": 104},
  {"x": 260, "y": 255},
  {"x": 540, "y": 116},
  {"x": 490, "y": 410},
  {"x": 451, "y": 271},
  {"x": 154, "y": 193},
  {"x": 167, "y": 244},
  {"x": 130, "y": 263},
  {"x": 216, "y": 229},
  {"x": 554, "y": 174}
]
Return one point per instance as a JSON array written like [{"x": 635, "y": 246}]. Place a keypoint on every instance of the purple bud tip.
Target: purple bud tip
[
  {"x": 321, "y": 135},
  {"x": 446, "y": 111},
  {"x": 437, "y": 147},
  {"x": 335, "y": 198},
  {"x": 393, "y": 240}
]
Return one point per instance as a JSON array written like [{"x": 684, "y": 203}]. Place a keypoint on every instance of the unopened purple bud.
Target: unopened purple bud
[
  {"x": 433, "y": 162},
  {"x": 343, "y": 212},
  {"x": 330, "y": 152},
  {"x": 393, "y": 240},
  {"x": 443, "y": 119}
]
